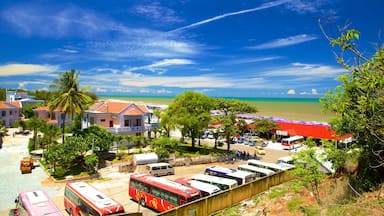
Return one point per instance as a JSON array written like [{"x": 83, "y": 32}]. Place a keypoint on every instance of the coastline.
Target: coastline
[{"x": 297, "y": 109}]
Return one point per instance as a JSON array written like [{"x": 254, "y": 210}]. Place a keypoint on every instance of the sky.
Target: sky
[{"x": 222, "y": 48}]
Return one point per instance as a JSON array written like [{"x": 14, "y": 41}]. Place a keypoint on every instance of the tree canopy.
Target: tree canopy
[
  {"x": 359, "y": 105},
  {"x": 191, "y": 112}
]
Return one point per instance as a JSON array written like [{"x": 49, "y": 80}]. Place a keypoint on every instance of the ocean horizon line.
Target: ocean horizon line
[{"x": 249, "y": 99}]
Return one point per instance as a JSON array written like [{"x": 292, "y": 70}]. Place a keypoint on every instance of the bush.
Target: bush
[{"x": 60, "y": 173}]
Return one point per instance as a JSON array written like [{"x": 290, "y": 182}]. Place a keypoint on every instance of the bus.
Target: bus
[
  {"x": 222, "y": 183},
  {"x": 271, "y": 166},
  {"x": 35, "y": 203},
  {"x": 159, "y": 193},
  {"x": 205, "y": 188},
  {"x": 260, "y": 172},
  {"x": 80, "y": 198},
  {"x": 241, "y": 177},
  {"x": 292, "y": 142}
]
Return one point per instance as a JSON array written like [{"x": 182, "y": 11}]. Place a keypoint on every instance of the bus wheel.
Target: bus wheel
[{"x": 142, "y": 202}]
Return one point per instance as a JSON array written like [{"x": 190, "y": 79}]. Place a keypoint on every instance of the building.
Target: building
[
  {"x": 119, "y": 117},
  {"x": 10, "y": 112},
  {"x": 52, "y": 117},
  {"x": 23, "y": 97}
]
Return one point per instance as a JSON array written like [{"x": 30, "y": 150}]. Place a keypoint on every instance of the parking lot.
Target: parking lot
[{"x": 112, "y": 183}]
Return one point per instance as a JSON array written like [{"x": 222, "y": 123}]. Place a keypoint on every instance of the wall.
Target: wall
[{"x": 226, "y": 199}]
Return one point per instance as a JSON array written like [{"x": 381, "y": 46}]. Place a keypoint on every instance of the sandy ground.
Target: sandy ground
[{"x": 115, "y": 184}]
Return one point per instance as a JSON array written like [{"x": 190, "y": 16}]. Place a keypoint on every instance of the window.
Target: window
[
  {"x": 3, "y": 113},
  {"x": 102, "y": 120},
  {"x": 138, "y": 122},
  {"x": 127, "y": 123}
]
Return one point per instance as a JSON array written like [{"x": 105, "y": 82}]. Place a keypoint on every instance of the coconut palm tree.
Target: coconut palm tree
[
  {"x": 36, "y": 125},
  {"x": 70, "y": 98}
]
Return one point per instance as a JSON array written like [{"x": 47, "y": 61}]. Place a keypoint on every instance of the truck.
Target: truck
[{"x": 26, "y": 165}]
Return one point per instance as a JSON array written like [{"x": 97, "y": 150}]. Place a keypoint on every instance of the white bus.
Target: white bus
[
  {"x": 205, "y": 188},
  {"x": 292, "y": 142},
  {"x": 260, "y": 172},
  {"x": 271, "y": 166},
  {"x": 222, "y": 183},
  {"x": 241, "y": 177}
]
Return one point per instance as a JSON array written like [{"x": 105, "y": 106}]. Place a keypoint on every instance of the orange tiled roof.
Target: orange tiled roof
[
  {"x": 46, "y": 108},
  {"x": 134, "y": 111},
  {"x": 118, "y": 107},
  {"x": 8, "y": 105}
]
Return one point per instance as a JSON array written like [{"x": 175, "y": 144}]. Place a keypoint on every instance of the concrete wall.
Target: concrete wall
[{"x": 226, "y": 199}]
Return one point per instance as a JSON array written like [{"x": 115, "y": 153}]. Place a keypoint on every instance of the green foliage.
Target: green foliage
[
  {"x": 359, "y": 105},
  {"x": 36, "y": 125},
  {"x": 294, "y": 204},
  {"x": 276, "y": 192},
  {"x": 234, "y": 211},
  {"x": 228, "y": 121},
  {"x": 265, "y": 126},
  {"x": 97, "y": 137},
  {"x": 190, "y": 111},
  {"x": 90, "y": 161},
  {"x": 27, "y": 110},
  {"x": 307, "y": 168},
  {"x": 70, "y": 98}
]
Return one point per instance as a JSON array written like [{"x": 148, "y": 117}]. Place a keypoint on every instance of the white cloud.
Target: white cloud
[
  {"x": 252, "y": 60},
  {"x": 306, "y": 71},
  {"x": 262, "y": 7},
  {"x": 291, "y": 92},
  {"x": 156, "y": 12},
  {"x": 98, "y": 89},
  {"x": 163, "y": 91},
  {"x": 36, "y": 19},
  {"x": 314, "y": 92},
  {"x": 158, "y": 66},
  {"x": 283, "y": 42},
  {"x": 305, "y": 6},
  {"x": 23, "y": 69}
]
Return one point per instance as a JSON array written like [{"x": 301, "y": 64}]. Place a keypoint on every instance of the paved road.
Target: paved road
[{"x": 12, "y": 181}]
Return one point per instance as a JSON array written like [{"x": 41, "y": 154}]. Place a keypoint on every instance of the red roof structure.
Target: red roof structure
[{"x": 317, "y": 131}]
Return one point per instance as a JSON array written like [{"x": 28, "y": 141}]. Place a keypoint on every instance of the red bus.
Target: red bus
[
  {"x": 80, "y": 198},
  {"x": 160, "y": 193},
  {"x": 35, "y": 203}
]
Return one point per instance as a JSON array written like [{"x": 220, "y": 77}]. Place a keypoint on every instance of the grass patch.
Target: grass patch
[
  {"x": 294, "y": 204},
  {"x": 276, "y": 192},
  {"x": 233, "y": 211},
  {"x": 189, "y": 151}
]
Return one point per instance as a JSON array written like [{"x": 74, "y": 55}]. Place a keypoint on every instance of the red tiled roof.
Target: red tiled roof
[
  {"x": 8, "y": 105},
  {"x": 134, "y": 111},
  {"x": 118, "y": 107},
  {"x": 46, "y": 108}
]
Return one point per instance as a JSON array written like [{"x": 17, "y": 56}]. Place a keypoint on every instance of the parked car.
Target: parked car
[
  {"x": 259, "y": 150},
  {"x": 257, "y": 139}
]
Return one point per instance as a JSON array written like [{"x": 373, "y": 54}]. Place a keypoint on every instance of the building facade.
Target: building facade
[
  {"x": 119, "y": 117},
  {"x": 10, "y": 112}
]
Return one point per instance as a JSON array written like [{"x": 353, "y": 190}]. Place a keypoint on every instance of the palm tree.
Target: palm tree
[
  {"x": 70, "y": 98},
  {"x": 3, "y": 132},
  {"x": 36, "y": 124}
]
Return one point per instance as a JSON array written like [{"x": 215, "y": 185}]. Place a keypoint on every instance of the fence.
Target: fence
[{"x": 226, "y": 199}]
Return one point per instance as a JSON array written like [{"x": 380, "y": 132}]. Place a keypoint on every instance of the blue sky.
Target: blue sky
[{"x": 233, "y": 48}]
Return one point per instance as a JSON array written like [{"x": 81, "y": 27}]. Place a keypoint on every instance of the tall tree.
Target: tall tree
[
  {"x": 359, "y": 105},
  {"x": 228, "y": 119},
  {"x": 265, "y": 126},
  {"x": 36, "y": 125},
  {"x": 70, "y": 98},
  {"x": 3, "y": 133},
  {"x": 191, "y": 112}
]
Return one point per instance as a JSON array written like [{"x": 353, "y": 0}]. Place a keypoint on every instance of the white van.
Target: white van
[{"x": 160, "y": 169}]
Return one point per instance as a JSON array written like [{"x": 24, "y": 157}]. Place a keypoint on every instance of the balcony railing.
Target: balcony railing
[{"x": 125, "y": 130}]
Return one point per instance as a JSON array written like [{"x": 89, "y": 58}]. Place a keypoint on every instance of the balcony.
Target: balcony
[{"x": 127, "y": 130}]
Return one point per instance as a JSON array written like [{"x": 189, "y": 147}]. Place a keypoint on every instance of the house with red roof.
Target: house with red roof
[
  {"x": 119, "y": 117},
  {"x": 52, "y": 116},
  {"x": 10, "y": 112}
]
